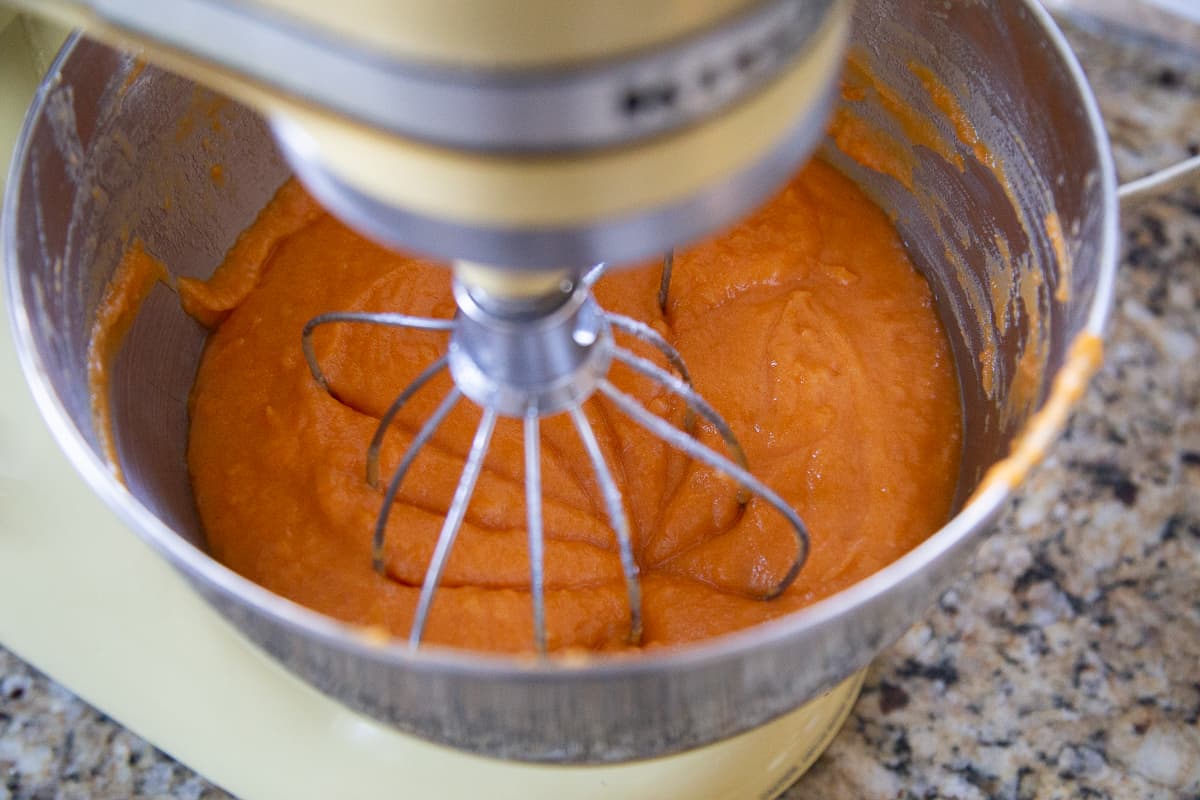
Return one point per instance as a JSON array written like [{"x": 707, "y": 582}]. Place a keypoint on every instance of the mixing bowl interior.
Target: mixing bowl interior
[{"x": 1017, "y": 245}]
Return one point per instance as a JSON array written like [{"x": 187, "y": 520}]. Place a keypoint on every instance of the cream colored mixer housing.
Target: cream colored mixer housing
[{"x": 523, "y": 134}]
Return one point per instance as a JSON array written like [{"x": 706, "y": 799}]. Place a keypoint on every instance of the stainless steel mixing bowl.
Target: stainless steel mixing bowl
[{"x": 111, "y": 151}]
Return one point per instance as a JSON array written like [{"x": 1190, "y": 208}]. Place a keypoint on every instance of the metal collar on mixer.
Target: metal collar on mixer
[{"x": 507, "y": 354}]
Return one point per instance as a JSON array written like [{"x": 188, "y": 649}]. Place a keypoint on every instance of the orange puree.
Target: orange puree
[
  {"x": 806, "y": 326},
  {"x": 129, "y": 287}
]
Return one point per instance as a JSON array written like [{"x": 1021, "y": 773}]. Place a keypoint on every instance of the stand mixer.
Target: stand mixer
[
  {"x": 528, "y": 212},
  {"x": 530, "y": 143}
]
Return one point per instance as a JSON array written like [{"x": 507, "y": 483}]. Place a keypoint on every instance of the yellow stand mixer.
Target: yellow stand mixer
[
  {"x": 554, "y": 137},
  {"x": 532, "y": 143}
]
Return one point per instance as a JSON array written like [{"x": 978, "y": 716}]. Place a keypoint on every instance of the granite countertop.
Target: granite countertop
[{"x": 1064, "y": 663}]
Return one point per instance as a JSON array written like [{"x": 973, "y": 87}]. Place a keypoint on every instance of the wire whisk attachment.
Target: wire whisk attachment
[{"x": 532, "y": 358}]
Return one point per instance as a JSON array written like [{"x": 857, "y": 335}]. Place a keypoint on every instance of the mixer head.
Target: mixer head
[
  {"x": 523, "y": 134},
  {"x": 526, "y": 141}
]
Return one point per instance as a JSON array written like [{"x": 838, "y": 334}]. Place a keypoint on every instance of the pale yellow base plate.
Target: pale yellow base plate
[{"x": 83, "y": 599}]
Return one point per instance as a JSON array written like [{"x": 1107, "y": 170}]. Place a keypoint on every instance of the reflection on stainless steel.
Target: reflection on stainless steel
[{"x": 1017, "y": 83}]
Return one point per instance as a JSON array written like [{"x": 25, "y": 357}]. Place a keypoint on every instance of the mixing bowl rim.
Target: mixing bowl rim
[{"x": 199, "y": 566}]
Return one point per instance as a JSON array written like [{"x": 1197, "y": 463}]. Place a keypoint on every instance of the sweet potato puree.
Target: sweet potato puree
[{"x": 806, "y": 326}]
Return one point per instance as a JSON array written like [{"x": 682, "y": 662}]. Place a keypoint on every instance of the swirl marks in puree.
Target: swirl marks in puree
[{"x": 806, "y": 326}]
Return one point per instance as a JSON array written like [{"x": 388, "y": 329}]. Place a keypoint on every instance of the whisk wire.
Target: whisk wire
[
  {"x": 388, "y": 416},
  {"x": 533, "y": 514},
  {"x": 646, "y": 333},
  {"x": 616, "y": 518},
  {"x": 453, "y": 523},
  {"x": 414, "y": 448},
  {"x": 387, "y": 318},
  {"x": 694, "y": 400},
  {"x": 673, "y": 436},
  {"x": 664, "y": 282}
]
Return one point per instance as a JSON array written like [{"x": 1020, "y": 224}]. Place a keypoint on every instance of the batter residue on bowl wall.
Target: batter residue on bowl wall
[
  {"x": 123, "y": 298},
  {"x": 806, "y": 326}
]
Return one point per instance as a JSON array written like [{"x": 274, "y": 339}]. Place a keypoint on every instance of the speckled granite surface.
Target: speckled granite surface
[{"x": 1066, "y": 663}]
